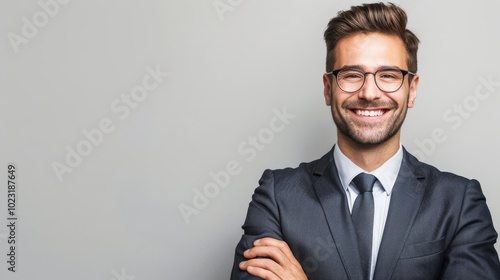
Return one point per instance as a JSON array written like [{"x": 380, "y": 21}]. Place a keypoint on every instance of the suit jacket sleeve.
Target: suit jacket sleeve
[
  {"x": 471, "y": 254},
  {"x": 262, "y": 221}
]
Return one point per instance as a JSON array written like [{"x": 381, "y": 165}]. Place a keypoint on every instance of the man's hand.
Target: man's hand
[{"x": 272, "y": 259}]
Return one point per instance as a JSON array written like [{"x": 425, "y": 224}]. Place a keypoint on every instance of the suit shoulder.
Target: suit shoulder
[
  {"x": 294, "y": 177},
  {"x": 304, "y": 169},
  {"x": 437, "y": 176}
]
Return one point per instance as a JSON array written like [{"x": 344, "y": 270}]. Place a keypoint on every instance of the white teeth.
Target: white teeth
[{"x": 367, "y": 113}]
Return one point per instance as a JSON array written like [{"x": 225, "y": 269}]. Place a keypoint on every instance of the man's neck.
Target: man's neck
[{"x": 369, "y": 157}]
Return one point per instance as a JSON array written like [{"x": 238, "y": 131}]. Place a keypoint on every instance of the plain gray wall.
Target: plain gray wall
[{"x": 72, "y": 67}]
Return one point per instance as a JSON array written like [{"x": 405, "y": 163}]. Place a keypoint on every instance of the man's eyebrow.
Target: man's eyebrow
[
  {"x": 357, "y": 66},
  {"x": 363, "y": 67}
]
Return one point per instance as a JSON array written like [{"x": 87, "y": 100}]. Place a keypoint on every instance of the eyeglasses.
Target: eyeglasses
[{"x": 386, "y": 79}]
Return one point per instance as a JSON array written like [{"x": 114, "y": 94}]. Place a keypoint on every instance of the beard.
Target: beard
[{"x": 370, "y": 133}]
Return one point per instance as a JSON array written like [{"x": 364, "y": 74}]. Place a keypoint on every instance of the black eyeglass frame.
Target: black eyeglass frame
[{"x": 403, "y": 72}]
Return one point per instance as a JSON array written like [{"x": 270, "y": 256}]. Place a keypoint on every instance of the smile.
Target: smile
[{"x": 369, "y": 113}]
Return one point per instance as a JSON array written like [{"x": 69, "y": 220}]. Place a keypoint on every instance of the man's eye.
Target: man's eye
[
  {"x": 352, "y": 75},
  {"x": 391, "y": 75},
  {"x": 387, "y": 76}
]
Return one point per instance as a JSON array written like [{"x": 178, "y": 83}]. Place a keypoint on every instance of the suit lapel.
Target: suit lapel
[
  {"x": 405, "y": 201},
  {"x": 334, "y": 203}
]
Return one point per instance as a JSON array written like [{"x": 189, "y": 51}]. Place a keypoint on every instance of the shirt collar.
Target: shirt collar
[{"x": 386, "y": 174}]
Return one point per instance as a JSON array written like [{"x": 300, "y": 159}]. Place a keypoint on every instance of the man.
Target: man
[{"x": 367, "y": 209}]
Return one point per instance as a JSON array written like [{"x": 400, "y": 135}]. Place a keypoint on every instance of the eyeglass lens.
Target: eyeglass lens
[{"x": 351, "y": 80}]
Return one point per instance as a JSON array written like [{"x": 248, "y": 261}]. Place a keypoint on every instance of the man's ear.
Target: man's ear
[
  {"x": 413, "y": 91},
  {"x": 327, "y": 89}
]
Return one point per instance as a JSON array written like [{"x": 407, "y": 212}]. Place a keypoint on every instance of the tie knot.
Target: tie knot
[{"x": 364, "y": 182}]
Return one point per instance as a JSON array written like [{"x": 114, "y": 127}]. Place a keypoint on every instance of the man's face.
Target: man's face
[{"x": 369, "y": 115}]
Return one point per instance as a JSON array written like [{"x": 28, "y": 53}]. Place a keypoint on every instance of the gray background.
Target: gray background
[{"x": 116, "y": 215}]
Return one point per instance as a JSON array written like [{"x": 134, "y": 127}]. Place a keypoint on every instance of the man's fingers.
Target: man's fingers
[
  {"x": 263, "y": 268},
  {"x": 272, "y": 259},
  {"x": 271, "y": 252},
  {"x": 281, "y": 245}
]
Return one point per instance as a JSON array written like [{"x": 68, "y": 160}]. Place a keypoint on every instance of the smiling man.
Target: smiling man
[{"x": 367, "y": 209}]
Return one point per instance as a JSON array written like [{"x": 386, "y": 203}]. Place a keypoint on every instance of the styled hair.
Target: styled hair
[{"x": 388, "y": 19}]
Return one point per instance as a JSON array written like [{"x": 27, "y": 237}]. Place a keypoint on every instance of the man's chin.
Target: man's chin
[{"x": 369, "y": 140}]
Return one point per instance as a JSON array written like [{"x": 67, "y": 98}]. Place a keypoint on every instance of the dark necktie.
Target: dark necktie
[{"x": 362, "y": 217}]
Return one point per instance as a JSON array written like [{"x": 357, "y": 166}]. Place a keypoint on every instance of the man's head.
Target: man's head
[
  {"x": 366, "y": 45},
  {"x": 371, "y": 18}
]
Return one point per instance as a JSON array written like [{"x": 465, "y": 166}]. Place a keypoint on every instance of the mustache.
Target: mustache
[{"x": 364, "y": 104}]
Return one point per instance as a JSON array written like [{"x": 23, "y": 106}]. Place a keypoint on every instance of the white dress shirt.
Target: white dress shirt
[{"x": 386, "y": 177}]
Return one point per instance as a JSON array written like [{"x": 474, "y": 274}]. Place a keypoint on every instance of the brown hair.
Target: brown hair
[{"x": 383, "y": 18}]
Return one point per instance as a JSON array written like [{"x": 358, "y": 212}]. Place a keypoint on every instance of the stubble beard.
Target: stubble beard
[{"x": 380, "y": 134}]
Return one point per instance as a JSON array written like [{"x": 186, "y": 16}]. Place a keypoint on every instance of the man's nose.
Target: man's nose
[{"x": 369, "y": 91}]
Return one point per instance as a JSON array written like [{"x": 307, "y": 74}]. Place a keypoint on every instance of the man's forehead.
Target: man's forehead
[
  {"x": 370, "y": 50},
  {"x": 363, "y": 36}
]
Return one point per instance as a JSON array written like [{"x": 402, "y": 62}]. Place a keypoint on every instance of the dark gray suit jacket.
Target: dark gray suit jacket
[{"x": 438, "y": 225}]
